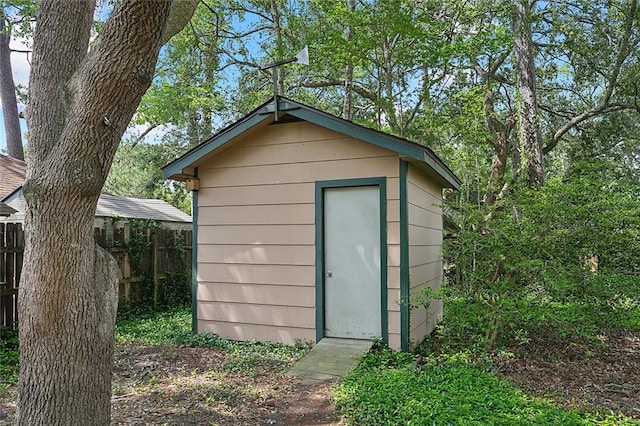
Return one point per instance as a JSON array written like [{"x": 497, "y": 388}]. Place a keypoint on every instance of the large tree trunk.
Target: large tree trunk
[
  {"x": 528, "y": 126},
  {"x": 8, "y": 95},
  {"x": 79, "y": 107}
]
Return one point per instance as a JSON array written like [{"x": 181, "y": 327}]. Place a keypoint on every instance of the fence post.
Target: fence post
[
  {"x": 155, "y": 258},
  {"x": 126, "y": 265}
]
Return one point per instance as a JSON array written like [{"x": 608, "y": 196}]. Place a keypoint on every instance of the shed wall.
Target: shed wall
[
  {"x": 425, "y": 251},
  {"x": 256, "y": 229}
]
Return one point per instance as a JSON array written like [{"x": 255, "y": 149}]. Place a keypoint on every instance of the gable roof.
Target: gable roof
[
  {"x": 183, "y": 167},
  {"x": 12, "y": 174}
]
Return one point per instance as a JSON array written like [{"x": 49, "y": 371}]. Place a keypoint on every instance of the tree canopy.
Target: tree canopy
[{"x": 533, "y": 104}]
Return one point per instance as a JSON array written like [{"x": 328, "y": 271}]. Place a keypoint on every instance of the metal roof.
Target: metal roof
[
  {"x": 182, "y": 167},
  {"x": 139, "y": 208},
  {"x": 119, "y": 207}
]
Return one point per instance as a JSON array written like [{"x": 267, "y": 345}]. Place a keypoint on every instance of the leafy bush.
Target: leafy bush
[{"x": 561, "y": 256}]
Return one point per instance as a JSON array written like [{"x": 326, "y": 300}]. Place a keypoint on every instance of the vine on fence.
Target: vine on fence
[{"x": 159, "y": 269}]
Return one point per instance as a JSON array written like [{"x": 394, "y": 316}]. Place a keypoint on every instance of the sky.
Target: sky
[{"x": 20, "y": 67}]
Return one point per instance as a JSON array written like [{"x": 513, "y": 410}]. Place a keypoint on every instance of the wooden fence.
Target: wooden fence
[
  {"x": 155, "y": 265},
  {"x": 11, "y": 249}
]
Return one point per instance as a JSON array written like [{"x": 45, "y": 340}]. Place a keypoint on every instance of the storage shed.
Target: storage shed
[{"x": 309, "y": 226}]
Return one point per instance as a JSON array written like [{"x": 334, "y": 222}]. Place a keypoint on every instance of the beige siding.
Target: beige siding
[
  {"x": 269, "y": 315},
  {"x": 255, "y": 195},
  {"x": 281, "y": 295},
  {"x": 294, "y": 275},
  {"x": 304, "y": 172},
  {"x": 425, "y": 251},
  {"x": 287, "y": 235},
  {"x": 256, "y": 229},
  {"x": 287, "y": 214},
  {"x": 256, "y": 254},
  {"x": 259, "y": 332}
]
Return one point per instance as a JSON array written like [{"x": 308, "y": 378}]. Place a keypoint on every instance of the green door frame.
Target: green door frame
[
  {"x": 404, "y": 257},
  {"x": 320, "y": 186},
  {"x": 194, "y": 258}
]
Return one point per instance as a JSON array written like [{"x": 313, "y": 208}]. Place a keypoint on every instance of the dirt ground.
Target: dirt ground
[
  {"x": 601, "y": 376},
  {"x": 201, "y": 386}
]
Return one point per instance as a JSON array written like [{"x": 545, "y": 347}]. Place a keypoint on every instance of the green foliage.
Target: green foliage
[
  {"x": 562, "y": 256},
  {"x": 172, "y": 328},
  {"x": 176, "y": 290},
  {"x": 137, "y": 172},
  {"x": 390, "y": 388},
  {"x": 183, "y": 94},
  {"x": 9, "y": 356}
]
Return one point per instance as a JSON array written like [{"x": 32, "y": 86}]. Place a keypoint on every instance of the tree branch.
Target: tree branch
[
  {"x": 604, "y": 106},
  {"x": 180, "y": 13},
  {"x": 142, "y": 135},
  {"x": 340, "y": 82},
  {"x": 586, "y": 115},
  {"x": 60, "y": 46}
]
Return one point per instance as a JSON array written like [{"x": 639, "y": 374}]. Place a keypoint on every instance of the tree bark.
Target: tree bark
[
  {"x": 500, "y": 130},
  {"x": 80, "y": 104},
  {"x": 8, "y": 95},
  {"x": 500, "y": 141},
  {"x": 528, "y": 126}
]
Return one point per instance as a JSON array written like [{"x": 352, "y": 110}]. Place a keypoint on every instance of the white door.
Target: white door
[{"x": 352, "y": 262}]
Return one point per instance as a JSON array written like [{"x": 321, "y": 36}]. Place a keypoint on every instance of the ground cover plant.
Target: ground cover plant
[
  {"x": 8, "y": 359},
  {"x": 164, "y": 374},
  {"x": 390, "y": 388}
]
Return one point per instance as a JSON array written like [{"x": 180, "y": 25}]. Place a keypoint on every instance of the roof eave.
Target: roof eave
[
  {"x": 405, "y": 149},
  {"x": 182, "y": 168}
]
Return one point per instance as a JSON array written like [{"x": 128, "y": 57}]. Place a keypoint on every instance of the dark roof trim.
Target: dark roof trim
[
  {"x": 13, "y": 191},
  {"x": 405, "y": 148},
  {"x": 178, "y": 166},
  {"x": 6, "y": 210}
]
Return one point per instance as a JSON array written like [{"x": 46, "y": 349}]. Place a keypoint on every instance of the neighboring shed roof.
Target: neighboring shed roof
[
  {"x": 139, "y": 208},
  {"x": 12, "y": 174},
  {"x": 183, "y": 167},
  {"x": 115, "y": 206},
  {"x": 6, "y": 210}
]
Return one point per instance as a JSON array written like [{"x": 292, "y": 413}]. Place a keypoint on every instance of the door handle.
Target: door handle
[{"x": 328, "y": 274}]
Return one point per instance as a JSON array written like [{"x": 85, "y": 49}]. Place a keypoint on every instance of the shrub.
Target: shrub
[{"x": 562, "y": 256}]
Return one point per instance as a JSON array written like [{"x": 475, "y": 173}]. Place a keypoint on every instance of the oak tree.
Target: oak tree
[{"x": 80, "y": 102}]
